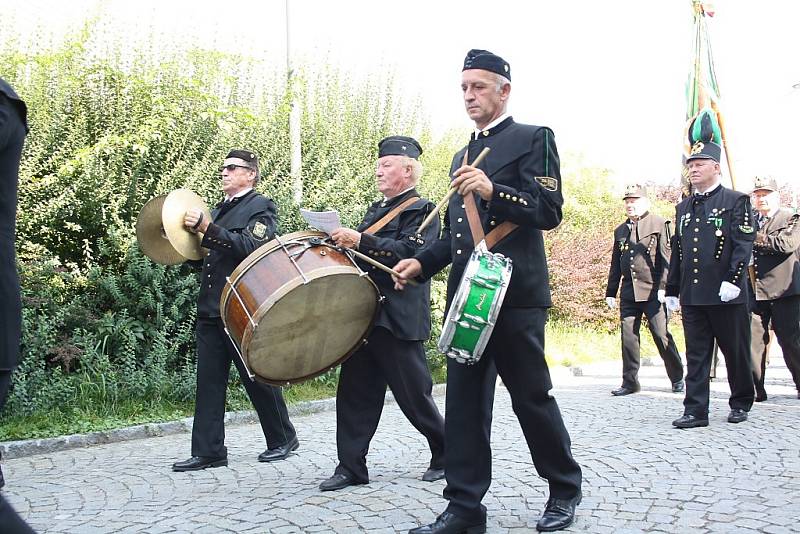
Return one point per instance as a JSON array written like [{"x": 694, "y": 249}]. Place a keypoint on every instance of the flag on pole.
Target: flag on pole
[{"x": 704, "y": 121}]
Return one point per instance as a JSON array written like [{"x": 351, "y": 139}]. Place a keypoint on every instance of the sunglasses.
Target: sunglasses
[{"x": 232, "y": 167}]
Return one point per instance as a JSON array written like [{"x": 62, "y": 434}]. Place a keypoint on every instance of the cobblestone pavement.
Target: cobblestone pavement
[{"x": 641, "y": 475}]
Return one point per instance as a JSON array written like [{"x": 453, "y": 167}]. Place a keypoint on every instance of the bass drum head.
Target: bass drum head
[{"x": 312, "y": 328}]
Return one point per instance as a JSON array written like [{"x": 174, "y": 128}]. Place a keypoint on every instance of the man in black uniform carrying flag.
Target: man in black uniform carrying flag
[
  {"x": 518, "y": 182},
  {"x": 712, "y": 244}
]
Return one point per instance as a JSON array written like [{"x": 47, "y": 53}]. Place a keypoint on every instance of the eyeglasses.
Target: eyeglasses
[{"x": 232, "y": 167}]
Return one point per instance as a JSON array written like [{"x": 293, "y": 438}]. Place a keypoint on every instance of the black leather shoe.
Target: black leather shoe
[
  {"x": 619, "y": 392},
  {"x": 558, "y": 514},
  {"x": 448, "y": 523},
  {"x": 678, "y": 387},
  {"x": 196, "y": 463},
  {"x": 689, "y": 421},
  {"x": 279, "y": 453},
  {"x": 761, "y": 395},
  {"x": 339, "y": 481},
  {"x": 433, "y": 474},
  {"x": 737, "y": 415}
]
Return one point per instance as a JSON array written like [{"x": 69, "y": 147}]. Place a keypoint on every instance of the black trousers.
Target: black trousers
[
  {"x": 384, "y": 360},
  {"x": 729, "y": 325},
  {"x": 516, "y": 352},
  {"x": 214, "y": 354},
  {"x": 10, "y": 521},
  {"x": 784, "y": 315},
  {"x": 630, "y": 314}
]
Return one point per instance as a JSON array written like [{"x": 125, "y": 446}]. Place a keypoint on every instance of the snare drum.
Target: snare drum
[
  {"x": 475, "y": 306},
  {"x": 297, "y": 307}
]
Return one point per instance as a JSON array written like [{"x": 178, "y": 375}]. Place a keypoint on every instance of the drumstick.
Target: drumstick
[
  {"x": 449, "y": 194},
  {"x": 379, "y": 265}
]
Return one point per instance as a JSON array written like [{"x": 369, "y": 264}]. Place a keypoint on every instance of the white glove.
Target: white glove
[
  {"x": 673, "y": 303},
  {"x": 728, "y": 291},
  {"x": 612, "y": 302},
  {"x": 662, "y": 296}
]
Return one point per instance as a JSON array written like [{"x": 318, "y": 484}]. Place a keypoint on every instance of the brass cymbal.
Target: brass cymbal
[
  {"x": 151, "y": 236},
  {"x": 161, "y": 233},
  {"x": 175, "y": 206}
]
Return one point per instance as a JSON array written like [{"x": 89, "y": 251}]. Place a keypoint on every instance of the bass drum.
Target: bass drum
[{"x": 297, "y": 307}]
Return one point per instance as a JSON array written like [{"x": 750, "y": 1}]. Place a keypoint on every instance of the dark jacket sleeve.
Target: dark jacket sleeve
[
  {"x": 614, "y": 271},
  {"x": 742, "y": 235},
  {"x": 785, "y": 241},
  {"x": 674, "y": 274},
  {"x": 538, "y": 202},
  {"x": 664, "y": 255},
  {"x": 239, "y": 243},
  {"x": 437, "y": 254},
  {"x": 388, "y": 250}
]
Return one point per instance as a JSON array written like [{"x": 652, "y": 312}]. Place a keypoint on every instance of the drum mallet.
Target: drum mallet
[
  {"x": 378, "y": 264},
  {"x": 449, "y": 194}
]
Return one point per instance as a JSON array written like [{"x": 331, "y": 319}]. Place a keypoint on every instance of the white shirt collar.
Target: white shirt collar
[
  {"x": 709, "y": 189},
  {"x": 492, "y": 124},
  {"x": 241, "y": 193},
  {"x": 387, "y": 199}
]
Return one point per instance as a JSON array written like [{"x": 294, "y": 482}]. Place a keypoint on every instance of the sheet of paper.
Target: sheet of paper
[{"x": 325, "y": 221}]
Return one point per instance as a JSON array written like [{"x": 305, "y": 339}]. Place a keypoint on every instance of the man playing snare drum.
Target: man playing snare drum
[
  {"x": 394, "y": 352},
  {"x": 242, "y": 223},
  {"x": 519, "y": 181}
]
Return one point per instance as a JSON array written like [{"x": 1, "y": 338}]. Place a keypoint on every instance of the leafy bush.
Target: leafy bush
[{"x": 102, "y": 324}]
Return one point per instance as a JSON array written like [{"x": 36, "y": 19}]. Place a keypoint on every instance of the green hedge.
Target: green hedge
[{"x": 101, "y": 322}]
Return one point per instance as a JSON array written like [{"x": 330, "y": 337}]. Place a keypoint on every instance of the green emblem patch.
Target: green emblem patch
[
  {"x": 746, "y": 228},
  {"x": 260, "y": 230},
  {"x": 548, "y": 182}
]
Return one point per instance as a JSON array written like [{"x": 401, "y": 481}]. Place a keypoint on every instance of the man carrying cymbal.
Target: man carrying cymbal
[{"x": 244, "y": 221}]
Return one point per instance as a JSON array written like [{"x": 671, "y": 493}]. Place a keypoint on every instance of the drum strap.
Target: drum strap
[
  {"x": 475, "y": 226},
  {"x": 386, "y": 219}
]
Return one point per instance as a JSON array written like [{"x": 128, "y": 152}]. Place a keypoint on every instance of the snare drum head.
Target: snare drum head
[{"x": 312, "y": 328}]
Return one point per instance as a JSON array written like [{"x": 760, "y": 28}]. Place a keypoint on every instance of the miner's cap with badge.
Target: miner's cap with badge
[
  {"x": 399, "y": 145},
  {"x": 764, "y": 183},
  {"x": 485, "y": 60},
  {"x": 708, "y": 150},
  {"x": 704, "y": 137},
  {"x": 634, "y": 191}
]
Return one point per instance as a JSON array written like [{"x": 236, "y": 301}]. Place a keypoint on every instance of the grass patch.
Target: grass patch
[
  {"x": 569, "y": 345},
  {"x": 94, "y": 417}
]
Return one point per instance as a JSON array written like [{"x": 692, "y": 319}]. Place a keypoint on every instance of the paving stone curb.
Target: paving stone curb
[{"x": 30, "y": 447}]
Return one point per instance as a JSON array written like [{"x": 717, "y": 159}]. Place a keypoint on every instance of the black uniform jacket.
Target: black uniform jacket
[
  {"x": 776, "y": 256},
  {"x": 523, "y": 166},
  {"x": 10, "y": 133},
  {"x": 6, "y": 90},
  {"x": 239, "y": 227},
  {"x": 406, "y": 314},
  {"x": 641, "y": 261},
  {"x": 712, "y": 244}
]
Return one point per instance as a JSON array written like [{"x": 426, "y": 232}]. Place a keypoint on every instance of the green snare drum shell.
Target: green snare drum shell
[{"x": 475, "y": 306}]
